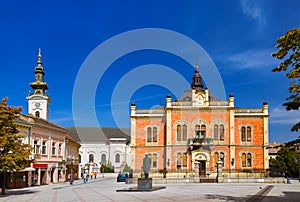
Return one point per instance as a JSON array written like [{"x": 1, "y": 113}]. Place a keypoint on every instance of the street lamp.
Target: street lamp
[{"x": 219, "y": 168}]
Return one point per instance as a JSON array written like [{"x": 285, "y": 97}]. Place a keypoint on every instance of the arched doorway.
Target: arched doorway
[{"x": 200, "y": 161}]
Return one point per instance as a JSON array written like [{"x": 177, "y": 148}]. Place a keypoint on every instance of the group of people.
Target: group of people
[{"x": 86, "y": 176}]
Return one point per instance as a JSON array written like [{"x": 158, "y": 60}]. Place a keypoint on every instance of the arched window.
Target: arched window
[
  {"x": 79, "y": 158},
  {"x": 179, "y": 160},
  {"x": 37, "y": 114},
  {"x": 243, "y": 134},
  {"x": 203, "y": 131},
  {"x": 117, "y": 158},
  {"x": 216, "y": 158},
  {"x": 91, "y": 158},
  {"x": 154, "y": 160},
  {"x": 178, "y": 132},
  {"x": 249, "y": 160},
  {"x": 222, "y": 132},
  {"x": 154, "y": 134},
  {"x": 184, "y": 132},
  {"x": 222, "y": 158},
  {"x": 248, "y": 134},
  {"x": 243, "y": 160},
  {"x": 197, "y": 131},
  {"x": 216, "y": 135},
  {"x": 149, "y": 134},
  {"x": 184, "y": 160},
  {"x": 103, "y": 159}
]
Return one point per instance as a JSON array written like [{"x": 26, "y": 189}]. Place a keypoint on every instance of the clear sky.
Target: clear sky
[{"x": 238, "y": 35}]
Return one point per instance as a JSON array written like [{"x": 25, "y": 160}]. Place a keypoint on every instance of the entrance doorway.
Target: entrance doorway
[{"x": 201, "y": 168}]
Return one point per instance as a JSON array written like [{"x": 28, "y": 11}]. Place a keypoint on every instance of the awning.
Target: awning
[{"x": 40, "y": 165}]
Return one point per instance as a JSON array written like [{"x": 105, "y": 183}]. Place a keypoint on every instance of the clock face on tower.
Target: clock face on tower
[
  {"x": 37, "y": 104},
  {"x": 199, "y": 100}
]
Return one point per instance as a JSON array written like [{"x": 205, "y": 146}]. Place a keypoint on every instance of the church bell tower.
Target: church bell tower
[{"x": 38, "y": 101}]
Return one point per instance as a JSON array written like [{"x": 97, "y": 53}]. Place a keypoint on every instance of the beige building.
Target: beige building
[
  {"x": 46, "y": 138},
  {"x": 72, "y": 158}
]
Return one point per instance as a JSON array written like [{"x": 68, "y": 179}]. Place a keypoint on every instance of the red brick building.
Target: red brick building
[{"x": 199, "y": 130}]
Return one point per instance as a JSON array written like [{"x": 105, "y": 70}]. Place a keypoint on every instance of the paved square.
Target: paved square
[{"x": 104, "y": 189}]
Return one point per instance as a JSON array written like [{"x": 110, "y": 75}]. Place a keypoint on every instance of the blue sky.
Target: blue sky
[{"x": 239, "y": 36}]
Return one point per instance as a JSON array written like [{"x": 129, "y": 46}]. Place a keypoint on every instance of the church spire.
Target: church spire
[
  {"x": 39, "y": 62},
  {"x": 38, "y": 101},
  {"x": 39, "y": 86},
  {"x": 197, "y": 79}
]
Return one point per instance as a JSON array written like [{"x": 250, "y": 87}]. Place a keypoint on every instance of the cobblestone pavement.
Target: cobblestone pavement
[{"x": 105, "y": 189}]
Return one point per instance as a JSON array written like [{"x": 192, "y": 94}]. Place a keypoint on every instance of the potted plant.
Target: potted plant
[{"x": 164, "y": 172}]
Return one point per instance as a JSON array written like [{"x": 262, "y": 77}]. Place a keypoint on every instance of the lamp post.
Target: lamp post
[{"x": 219, "y": 169}]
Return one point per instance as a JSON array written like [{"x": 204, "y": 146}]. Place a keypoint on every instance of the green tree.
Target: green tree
[
  {"x": 286, "y": 161},
  {"x": 289, "y": 47},
  {"x": 14, "y": 156}
]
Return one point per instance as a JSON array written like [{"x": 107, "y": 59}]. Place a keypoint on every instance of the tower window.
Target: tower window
[{"x": 37, "y": 114}]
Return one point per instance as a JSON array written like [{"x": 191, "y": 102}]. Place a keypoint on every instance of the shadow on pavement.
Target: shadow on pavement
[
  {"x": 17, "y": 192},
  {"x": 288, "y": 196}
]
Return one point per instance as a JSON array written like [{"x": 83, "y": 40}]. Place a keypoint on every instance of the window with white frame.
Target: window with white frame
[
  {"x": 44, "y": 147},
  {"x": 53, "y": 148},
  {"x": 60, "y": 149},
  {"x": 36, "y": 147}
]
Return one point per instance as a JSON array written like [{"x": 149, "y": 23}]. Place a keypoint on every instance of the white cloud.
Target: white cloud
[
  {"x": 279, "y": 115},
  {"x": 253, "y": 10},
  {"x": 253, "y": 59}
]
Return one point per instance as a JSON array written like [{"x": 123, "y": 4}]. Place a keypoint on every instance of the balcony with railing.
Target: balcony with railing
[
  {"x": 198, "y": 143},
  {"x": 150, "y": 112},
  {"x": 249, "y": 112},
  {"x": 181, "y": 104},
  {"x": 219, "y": 103}
]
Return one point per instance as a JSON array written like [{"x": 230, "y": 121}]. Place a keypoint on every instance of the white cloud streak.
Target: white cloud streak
[
  {"x": 253, "y": 59},
  {"x": 253, "y": 9},
  {"x": 279, "y": 115}
]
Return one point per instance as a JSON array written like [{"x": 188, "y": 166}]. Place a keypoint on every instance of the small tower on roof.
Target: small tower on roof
[
  {"x": 197, "y": 79},
  {"x": 38, "y": 101}
]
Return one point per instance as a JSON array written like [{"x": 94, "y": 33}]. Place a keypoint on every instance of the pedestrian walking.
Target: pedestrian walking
[
  {"x": 84, "y": 176},
  {"x": 95, "y": 175},
  {"x": 91, "y": 175}
]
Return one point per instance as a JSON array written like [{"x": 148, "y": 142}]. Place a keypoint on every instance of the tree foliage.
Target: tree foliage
[
  {"x": 287, "y": 159},
  {"x": 289, "y": 52},
  {"x": 14, "y": 155}
]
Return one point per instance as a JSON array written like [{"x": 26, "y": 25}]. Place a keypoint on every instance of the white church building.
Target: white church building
[{"x": 102, "y": 146}]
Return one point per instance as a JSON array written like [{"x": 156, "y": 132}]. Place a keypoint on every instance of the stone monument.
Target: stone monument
[{"x": 145, "y": 184}]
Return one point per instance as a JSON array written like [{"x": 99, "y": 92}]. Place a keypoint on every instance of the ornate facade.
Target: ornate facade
[{"x": 198, "y": 131}]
